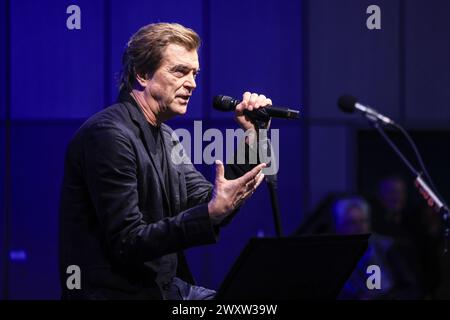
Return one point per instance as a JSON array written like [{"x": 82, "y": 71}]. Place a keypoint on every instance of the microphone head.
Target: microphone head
[
  {"x": 347, "y": 103},
  {"x": 224, "y": 103}
]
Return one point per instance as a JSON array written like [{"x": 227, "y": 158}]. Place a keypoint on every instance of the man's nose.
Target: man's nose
[{"x": 190, "y": 82}]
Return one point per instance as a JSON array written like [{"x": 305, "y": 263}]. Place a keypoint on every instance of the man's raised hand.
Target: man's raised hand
[{"x": 230, "y": 194}]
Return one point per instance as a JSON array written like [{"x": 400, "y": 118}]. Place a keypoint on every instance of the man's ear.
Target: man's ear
[{"x": 142, "y": 81}]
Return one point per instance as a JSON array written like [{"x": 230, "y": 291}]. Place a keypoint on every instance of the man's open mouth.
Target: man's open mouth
[{"x": 185, "y": 98}]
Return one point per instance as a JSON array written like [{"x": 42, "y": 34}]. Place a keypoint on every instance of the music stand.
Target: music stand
[{"x": 302, "y": 267}]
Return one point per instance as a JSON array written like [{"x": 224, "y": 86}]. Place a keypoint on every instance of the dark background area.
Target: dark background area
[
  {"x": 302, "y": 54},
  {"x": 376, "y": 159}
]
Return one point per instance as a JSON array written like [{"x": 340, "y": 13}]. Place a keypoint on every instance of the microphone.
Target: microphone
[
  {"x": 349, "y": 104},
  {"x": 225, "y": 103}
]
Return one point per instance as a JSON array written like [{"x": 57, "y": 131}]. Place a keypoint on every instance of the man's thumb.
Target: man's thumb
[{"x": 220, "y": 171}]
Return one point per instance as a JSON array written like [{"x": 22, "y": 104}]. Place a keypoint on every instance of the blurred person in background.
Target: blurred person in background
[
  {"x": 351, "y": 215},
  {"x": 390, "y": 207}
]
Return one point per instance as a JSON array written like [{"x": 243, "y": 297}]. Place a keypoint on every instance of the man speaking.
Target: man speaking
[{"x": 127, "y": 210}]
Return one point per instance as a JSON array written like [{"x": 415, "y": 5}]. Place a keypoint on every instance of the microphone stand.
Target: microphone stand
[
  {"x": 272, "y": 184},
  {"x": 427, "y": 193},
  {"x": 271, "y": 180}
]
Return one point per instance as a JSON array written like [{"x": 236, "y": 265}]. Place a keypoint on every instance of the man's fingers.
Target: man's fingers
[
  {"x": 253, "y": 184},
  {"x": 253, "y": 173},
  {"x": 260, "y": 179},
  {"x": 260, "y": 101},
  {"x": 254, "y": 181},
  {"x": 251, "y": 190},
  {"x": 252, "y": 101},
  {"x": 245, "y": 196},
  {"x": 246, "y": 96},
  {"x": 241, "y": 107},
  {"x": 220, "y": 171},
  {"x": 244, "y": 103}
]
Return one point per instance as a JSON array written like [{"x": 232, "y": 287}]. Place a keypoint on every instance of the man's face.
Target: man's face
[
  {"x": 354, "y": 221},
  {"x": 172, "y": 84},
  {"x": 393, "y": 194}
]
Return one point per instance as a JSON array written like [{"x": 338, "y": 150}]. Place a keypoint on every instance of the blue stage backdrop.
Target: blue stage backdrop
[{"x": 302, "y": 54}]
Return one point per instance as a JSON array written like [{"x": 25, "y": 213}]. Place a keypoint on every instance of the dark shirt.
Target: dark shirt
[{"x": 156, "y": 133}]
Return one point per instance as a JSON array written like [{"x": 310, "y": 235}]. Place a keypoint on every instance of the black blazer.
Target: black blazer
[{"x": 118, "y": 221}]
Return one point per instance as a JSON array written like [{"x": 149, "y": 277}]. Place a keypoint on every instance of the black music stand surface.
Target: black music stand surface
[{"x": 303, "y": 267}]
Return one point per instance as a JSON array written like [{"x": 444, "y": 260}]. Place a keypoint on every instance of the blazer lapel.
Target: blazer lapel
[{"x": 149, "y": 143}]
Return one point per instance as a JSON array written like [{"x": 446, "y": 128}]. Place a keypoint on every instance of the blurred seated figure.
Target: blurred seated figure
[
  {"x": 389, "y": 206},
  {"x": 417, "y": 232},
  {"x": 351, "y": 215}
]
